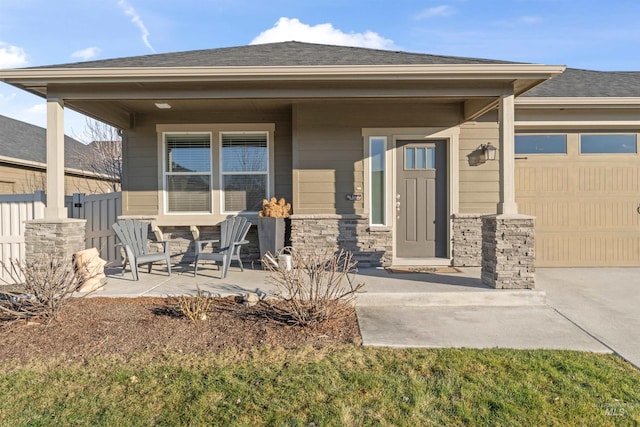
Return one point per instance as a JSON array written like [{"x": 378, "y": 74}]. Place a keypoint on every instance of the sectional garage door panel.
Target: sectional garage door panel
[
  {"x": 586, "y": 208},
  {"x": 586, "y": 250}
]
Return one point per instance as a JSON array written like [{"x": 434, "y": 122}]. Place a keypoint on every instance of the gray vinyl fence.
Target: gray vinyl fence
[{"x": 100, "y": 211}]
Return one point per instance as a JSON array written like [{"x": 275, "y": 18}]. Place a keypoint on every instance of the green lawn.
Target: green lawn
[{"x": 344, "y": 385}]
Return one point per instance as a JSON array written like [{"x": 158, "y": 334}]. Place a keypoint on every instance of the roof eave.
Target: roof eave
[
  {"x": 578, "y": 102},
  {"x": 35, "y": 76}
]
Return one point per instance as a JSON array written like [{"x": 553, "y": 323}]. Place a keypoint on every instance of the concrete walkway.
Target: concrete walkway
[{"x": 577, "y": 309}]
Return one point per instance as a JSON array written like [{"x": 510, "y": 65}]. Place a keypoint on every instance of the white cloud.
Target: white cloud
[
  {"x": 287, "y": 29},
  {"x": 443, "y": 10},
  {"x": 5, "y": 99},
  {"x": 12, "y": 56},
  {"x": 86, "y": 54},
  {"x": 29, "y": 108},
  {"x": 37, "y": 109},
  {"x": 137, "y": 20},
  {"x": 529, "y": 19},
  {"x": 17, "y": 105}
]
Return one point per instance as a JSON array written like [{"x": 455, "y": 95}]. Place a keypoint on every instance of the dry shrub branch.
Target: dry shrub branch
[
  {"x": 37, "y": 289},
  {"x": 195, "y": 308},
  {"x": 316, "y": 289}
]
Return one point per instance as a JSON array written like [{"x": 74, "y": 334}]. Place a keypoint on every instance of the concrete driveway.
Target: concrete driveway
[
  {"x": 594, "y": 309},
  {"x": 604, "y": 302}
]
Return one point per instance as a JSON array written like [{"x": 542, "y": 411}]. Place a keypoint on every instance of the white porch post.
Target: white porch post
[
  {"x": 506, "y": 121},
  {"x": 55, "y": 208}
]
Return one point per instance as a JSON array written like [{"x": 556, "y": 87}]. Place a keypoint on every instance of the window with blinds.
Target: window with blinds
[
  {"x": 188, "y": 172},
  {"x": 245, "y": 171}
]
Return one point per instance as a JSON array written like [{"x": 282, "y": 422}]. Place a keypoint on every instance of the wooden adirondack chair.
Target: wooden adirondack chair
[
  {"x": 232, "y": 236},
  {"x": 133, "y": 237}
]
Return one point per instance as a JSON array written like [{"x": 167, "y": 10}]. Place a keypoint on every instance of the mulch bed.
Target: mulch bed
[{"x": 95, "y": 327}]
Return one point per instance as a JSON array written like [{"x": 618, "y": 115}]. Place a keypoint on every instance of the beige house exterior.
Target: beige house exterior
[
  {"x": 23, "y": 167},
  {"x": 382, "y": 153},
  {"x": 20, "y": 177}
]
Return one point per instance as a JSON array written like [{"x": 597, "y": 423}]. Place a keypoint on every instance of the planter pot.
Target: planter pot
[{"x": 270, "y": 235}]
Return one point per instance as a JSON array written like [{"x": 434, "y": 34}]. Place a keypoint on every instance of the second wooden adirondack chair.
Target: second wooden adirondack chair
[
  {"x": 133, "y": 237},
  {"x": 232, "y": 236}
]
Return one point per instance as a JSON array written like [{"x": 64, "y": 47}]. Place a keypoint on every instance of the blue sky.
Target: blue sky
[{"x": 589, "y": 34}]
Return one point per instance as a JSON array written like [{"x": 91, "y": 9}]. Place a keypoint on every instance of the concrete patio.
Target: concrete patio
[
  {"x": 182, "y": 282},
  {"x": 383, "y": 288}
]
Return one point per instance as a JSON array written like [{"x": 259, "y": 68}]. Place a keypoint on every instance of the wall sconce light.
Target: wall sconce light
[{"x": 489, "y": 151}]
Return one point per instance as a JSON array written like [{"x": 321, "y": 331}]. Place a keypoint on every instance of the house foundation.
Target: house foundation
[
  {"x": 508, "y": 253},
  {"x": 371, "y": 247},
  {"x": 53, "y": 239}
]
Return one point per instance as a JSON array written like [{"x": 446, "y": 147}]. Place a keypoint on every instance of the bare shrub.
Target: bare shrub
[
  {"x": 103, "y": 155},
  {"x": 195, "y": 308},
  {"x": 37, "y": 289},
  {"x": 317, "y": 287}
]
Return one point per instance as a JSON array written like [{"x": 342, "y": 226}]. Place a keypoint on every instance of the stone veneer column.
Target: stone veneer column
[
  {"x": 508, "y": 253},
  {"x": 321, "y": 232},
  {"x": 467, "y": 240},
  {"x": 53, "y": 238}
]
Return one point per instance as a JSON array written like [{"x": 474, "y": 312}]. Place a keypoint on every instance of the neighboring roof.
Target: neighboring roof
[
  {"x": 575, "y": 83},
  {"x": 24, "y": 141},
  {"x": 278, "y": 54}
]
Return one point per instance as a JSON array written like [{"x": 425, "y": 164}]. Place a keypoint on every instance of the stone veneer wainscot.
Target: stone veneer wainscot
[
  {"x": 371, "y": 246},
  {"x": 467, "y": 240}
]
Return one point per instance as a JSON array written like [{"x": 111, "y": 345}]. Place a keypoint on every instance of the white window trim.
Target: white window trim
[
  {"x": 214, "y": 217},
  {"x": 165, "y": 174},
  {"x": 268, "y": 173},
  {"x": 370, "y": 180}
]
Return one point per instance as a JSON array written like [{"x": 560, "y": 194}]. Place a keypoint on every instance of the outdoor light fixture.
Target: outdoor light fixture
[
  {"x": 163, "y": 105},
  {"x": 489, "y": 151}
]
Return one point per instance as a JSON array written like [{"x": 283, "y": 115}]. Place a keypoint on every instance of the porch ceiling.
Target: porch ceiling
[
  {"x": 122, "y": 113},
  {"x": 118, "y": 103}
]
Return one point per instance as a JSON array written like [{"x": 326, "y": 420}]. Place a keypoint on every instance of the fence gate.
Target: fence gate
[{"x": 100, "y": 211}]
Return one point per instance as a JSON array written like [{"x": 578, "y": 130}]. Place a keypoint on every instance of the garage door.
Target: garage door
[{"x": 584, "y": 191}]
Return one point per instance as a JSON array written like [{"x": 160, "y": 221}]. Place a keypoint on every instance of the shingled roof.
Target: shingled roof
[
  {"x": 24, "y": 141},
  {"x": 572, "y": 83},
  {"x": 586, "y": 83},
  {"x": 279, "y": 54}
]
